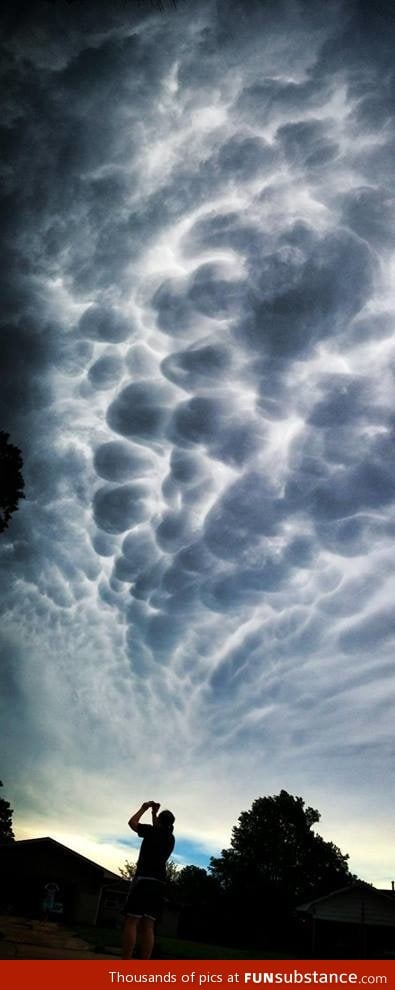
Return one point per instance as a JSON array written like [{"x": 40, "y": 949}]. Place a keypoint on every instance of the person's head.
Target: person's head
[{"x": 166, "y": 820}]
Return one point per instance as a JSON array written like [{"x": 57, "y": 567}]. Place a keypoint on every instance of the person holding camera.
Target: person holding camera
[{"x": 145, "y": 900}]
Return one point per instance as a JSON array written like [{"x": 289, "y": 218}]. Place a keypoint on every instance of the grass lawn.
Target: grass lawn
[
  {"x": 179, "y": 948},
  {"x": 172, "y": 948}
]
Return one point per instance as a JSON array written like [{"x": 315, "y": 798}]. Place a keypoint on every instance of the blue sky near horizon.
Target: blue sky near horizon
[
  {"x": 186, "y": 852},
  {"x": 198, "y": 353},
  {"x": 189, "y": 853}
]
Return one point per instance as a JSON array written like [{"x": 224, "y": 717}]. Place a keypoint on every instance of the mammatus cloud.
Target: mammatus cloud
[{"x": 197, "y": 321}]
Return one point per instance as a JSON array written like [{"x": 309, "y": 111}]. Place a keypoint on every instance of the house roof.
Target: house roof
[
  {"x": 106, "y": 874},
  {"x": 357, "y": 885}
]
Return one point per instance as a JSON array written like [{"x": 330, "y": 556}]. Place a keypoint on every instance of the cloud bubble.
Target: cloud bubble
[
  {"x": 140, "y": 411},
  {"x": 223, "y": 230},
  {"x": 248, "y": 510},
  {"x": 174, "y": 311},
  {"x": 197, "y": 421},
  {"x": 117, "y": 461},
  {"x": 104, "y": 544},
  {"x": 306, "y": 143},
  {"x": 140, "y": 361},
  {"x": 243, "y": 157},
  {"x": 186, "y": 469},
  {"x": 139, "y": 553},
  {"x": 106, "y": 371},
  {"x": 302, "y": 295},
  {"x": 118, "y": 509},
  {"x": 199, "y": 364},
  {"x": 104, "y": 324},
  {"x": 370, "y": 212},
  {"x": 174, "y": 531},
  {"x": 214, "y": 292}
]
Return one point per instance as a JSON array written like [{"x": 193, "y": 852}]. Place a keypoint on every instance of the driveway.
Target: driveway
[{"x": 22, "y": 938}]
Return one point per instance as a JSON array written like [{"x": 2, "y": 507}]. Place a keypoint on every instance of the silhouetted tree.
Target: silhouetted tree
[
  {"x": 11, "y": 480},
  {"x": 200, "y": 897},
  {"x": 128, "y": 870},
  {"x": 276, "y": 861},
  {"x": 194, "y": 883},
  {"x": 171, "y": 871},
  {"x": 6, "y": 812}
]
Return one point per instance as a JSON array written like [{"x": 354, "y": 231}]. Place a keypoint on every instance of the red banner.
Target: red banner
[{"x": 179, "y": 974}]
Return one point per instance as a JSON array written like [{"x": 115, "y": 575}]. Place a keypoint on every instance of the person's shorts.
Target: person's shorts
[{"x": 145, "y": 899}]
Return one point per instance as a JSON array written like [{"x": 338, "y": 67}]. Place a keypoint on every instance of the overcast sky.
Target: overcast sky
[{"x": 197, "y": 312}]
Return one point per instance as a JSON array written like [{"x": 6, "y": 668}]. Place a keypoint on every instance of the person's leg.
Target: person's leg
[
  {"x": 129, "y": 936},
  {"x": 147, "y": 937}
]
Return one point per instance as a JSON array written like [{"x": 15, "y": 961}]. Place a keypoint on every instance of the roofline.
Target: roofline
[
  {"x": 341, "y": 890},
  {"x": 108, "y": 874}
]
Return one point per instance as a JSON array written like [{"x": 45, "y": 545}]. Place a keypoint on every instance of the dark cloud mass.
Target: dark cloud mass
[{"x": 197, "y": 350}]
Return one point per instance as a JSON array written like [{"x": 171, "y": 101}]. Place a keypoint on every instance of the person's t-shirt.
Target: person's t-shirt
[{"x": 155, "y": 849}]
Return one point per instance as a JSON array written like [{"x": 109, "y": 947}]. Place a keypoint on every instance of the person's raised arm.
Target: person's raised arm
[
  {"x": 134, "y": 819},
  {"x": 154, "y": 810}
]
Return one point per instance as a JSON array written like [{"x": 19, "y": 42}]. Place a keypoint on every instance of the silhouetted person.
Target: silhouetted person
[{"x": 145, "y": 901}]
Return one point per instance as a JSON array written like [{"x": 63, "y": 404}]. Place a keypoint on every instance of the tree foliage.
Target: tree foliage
[
  {"x": 274, "y": 844},
  {"x": 194, "y": 884},
  {"x": 11, "y": 480},
  {"x": 6, "y": 812},
  {"x": 276, "y": 861},
  {"x": 128, "y": 870},
  {"x": 200, "y": 897}
]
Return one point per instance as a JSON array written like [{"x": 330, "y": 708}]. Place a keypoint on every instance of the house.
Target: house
[
  {"x": 43, "y": 877},
  {"x": 357, "y": 921}
]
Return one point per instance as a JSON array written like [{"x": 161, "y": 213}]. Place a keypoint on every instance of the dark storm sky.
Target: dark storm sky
[{"x": 197, "y": 309}]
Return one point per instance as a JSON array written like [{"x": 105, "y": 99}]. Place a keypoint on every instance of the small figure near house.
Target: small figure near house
[
  {"x": 145, "y": 901},
  {"x": 49, "y": 900}
]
